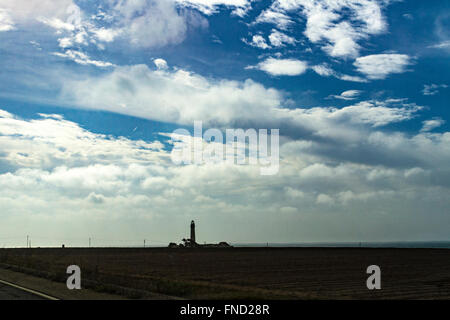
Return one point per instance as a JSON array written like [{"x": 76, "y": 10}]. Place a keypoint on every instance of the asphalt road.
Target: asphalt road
[{"x": 11, "y": 293}]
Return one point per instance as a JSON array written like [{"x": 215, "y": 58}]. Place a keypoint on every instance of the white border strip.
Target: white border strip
[{"x": 42, "y": 295}]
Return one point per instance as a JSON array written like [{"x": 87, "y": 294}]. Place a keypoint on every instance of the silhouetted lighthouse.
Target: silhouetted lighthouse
[{"x": 193, "y": 232}]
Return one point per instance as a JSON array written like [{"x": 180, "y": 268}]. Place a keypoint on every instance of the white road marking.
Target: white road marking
[{"x": 40, "y": 294}]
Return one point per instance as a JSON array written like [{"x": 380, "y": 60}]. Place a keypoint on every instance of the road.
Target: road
[{"x": 10, "y": 293}]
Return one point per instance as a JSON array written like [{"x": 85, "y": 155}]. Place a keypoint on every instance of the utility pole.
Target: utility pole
[
  {"x": 27, "y": 242},
  {"x": 144, "y": 243},
  {"x": 89, "y": 242}
]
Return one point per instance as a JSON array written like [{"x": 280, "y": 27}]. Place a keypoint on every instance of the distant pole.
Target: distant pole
[
  {"x": 27, "y": 242},
  {"x": 144, "y": 243},
  {"x": 89, "y": 242}
]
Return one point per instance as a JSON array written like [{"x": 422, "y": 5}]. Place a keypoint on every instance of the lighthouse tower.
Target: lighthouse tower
[{"x": 193, "y": 233}]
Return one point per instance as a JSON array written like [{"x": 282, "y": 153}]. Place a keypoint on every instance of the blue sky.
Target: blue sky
[{"x": 359, "y": 90}]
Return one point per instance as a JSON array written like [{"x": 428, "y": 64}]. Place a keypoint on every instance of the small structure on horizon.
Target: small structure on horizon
[{"x": 191, "y": 242}]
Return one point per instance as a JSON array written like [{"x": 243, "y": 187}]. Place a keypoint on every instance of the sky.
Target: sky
[{"x": 90, "y": 92}]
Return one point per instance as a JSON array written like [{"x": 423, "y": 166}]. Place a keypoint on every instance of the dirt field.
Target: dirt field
[{"x": 238, "y": 273}]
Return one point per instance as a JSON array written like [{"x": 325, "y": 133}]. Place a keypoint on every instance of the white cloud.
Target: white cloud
[
  {"x": 51, "y": 140},
  {"x": 379, "y": 66},
  {"x": 348, "y": 95},
  {"x": 279, "y": 39},
  {"x": 324, "y": 199},
  {"x": 106, "y": 35},
  {"x": 82, "y": 58},
  {"x": 160, "y": 64},
  {"x": 374, "y": 113},
  {"x": 258, "y": 41},
  {"x": 325, "y": 24},
  {"x": 65, "y": 42},
  {"x": 325, "y": 70},
  {"x": 29, "y": 11},
  {"x": 150, "y": 23},
  {"x": 6, "y": 22},
  {"x": 171, "y": 96},
  {"x": 429, "y": 125},
  {"x": 441, "y": 31},
  {"x": 5, "y": 114},
  {"x": 178, "y": 96},
  {"x": 58, "y": 24},
  {"x": 51, "y": 116},
  {"x": 342, "y": 38},
  {"x": 441, "y": 45},
  {"x": 210, "y": 7},
  {"x": 432, "y": 89},
  {"x": 36, "y": 45},
  {"x": 346, "y": 77},
  {"x": 283, "y": 67},
  {"x": 408, "y": 16},
  {"x": 281, "y": 20}
]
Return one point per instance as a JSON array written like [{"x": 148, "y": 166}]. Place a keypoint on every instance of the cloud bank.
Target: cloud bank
[{"x": 53, "y": 172}]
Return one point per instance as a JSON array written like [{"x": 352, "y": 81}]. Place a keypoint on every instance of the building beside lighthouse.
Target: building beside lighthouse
[{"x": 192, "y": 243}]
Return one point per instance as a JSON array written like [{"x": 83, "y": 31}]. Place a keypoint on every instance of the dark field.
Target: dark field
[{"x": 243, "y": 273}]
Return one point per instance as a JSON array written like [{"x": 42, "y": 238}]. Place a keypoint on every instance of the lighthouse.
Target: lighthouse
[
  {"x": 193, "y": 233},
  {"x": 191, "y": 243}
]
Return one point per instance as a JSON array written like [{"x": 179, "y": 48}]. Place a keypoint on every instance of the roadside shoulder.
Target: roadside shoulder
[{"x": 54, "y": 289}]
